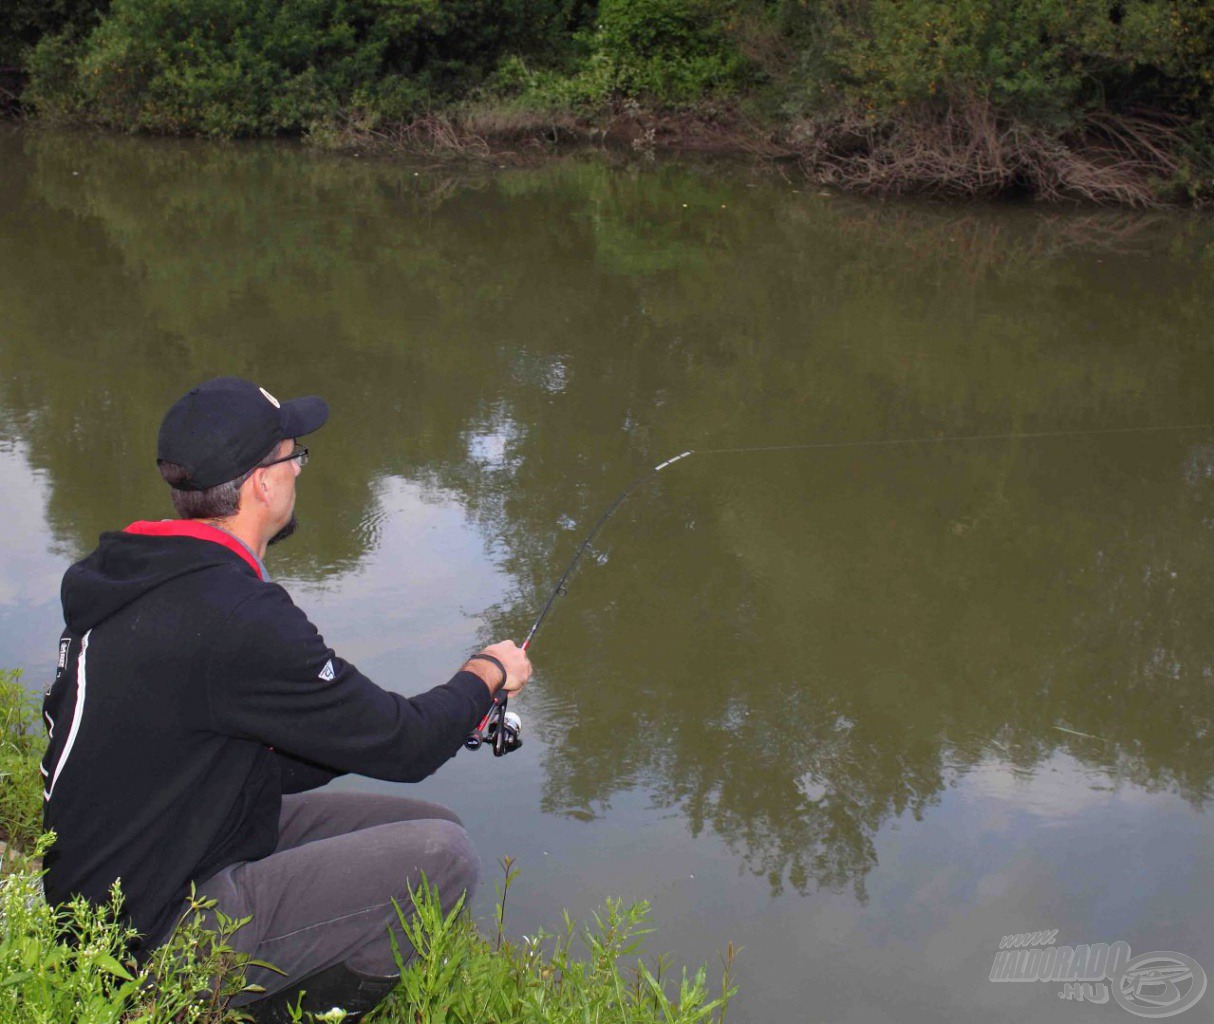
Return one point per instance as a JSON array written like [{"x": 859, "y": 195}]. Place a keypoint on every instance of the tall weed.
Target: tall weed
[
  {"x": 22, "y": 742},
  {"x": 72, "y": 964},
  {"x": 460, "y": 977}
]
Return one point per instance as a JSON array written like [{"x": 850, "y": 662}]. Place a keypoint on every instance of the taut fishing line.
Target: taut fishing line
[{"x": 496, "y": 729}]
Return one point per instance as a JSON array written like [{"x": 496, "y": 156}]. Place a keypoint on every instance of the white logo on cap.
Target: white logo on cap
[{"x": 270, "y": 398}]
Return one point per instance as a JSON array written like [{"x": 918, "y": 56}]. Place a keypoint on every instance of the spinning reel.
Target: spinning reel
[{"x": 501, "y": 728}]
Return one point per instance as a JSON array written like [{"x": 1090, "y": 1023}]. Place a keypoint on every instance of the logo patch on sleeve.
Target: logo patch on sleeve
[
  {"x": 65, "y": 645},
  {"x": 327, "y": 673}
]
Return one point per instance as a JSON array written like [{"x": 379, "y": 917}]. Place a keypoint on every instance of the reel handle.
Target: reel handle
[
  {"x": 495, "y": 716},
  {"x": 495, "y": 721}
]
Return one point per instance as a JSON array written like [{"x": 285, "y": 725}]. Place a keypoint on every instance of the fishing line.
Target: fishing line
[
  {"x": 561, "y": 588},
  {"x": 957, "y": 437},
  {"x": 502, "y": 728}
]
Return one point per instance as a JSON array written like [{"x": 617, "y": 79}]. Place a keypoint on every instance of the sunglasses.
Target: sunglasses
[{"x": 300, "y": 454}]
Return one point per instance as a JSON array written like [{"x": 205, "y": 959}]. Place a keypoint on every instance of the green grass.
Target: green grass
[
  {"x": 22, "y": 742},
  {"x": 588, "y": 974},
  {"x": 580, "y": 975}
]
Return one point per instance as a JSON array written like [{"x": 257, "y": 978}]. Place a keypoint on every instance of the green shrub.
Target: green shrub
[
  {"x": 670, "y": 50},
  {"x": 24, "y": 22},
  {"x": 1042, "y": 61},
  {"x": 1067, "y": 70},
  {"x": 22, "y": 742},
  {"x": 221, "y": 67},
  {"x": 458, "y": 976},
  {"x": 260, "y": 67},
  {"x": 461, "y": 977},
  {"x": 660, "y": 52},
  {"x": 91, "y": 980}
]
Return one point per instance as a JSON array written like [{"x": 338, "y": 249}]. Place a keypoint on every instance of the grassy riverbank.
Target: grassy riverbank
[
  {"x": 1106, "y": 101},
  {"x": 462, "y": 975}
]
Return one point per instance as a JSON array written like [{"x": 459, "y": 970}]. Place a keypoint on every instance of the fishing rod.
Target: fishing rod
[
  {"x": 503, "y": 728},
  {"x": 494, "y": 727}
]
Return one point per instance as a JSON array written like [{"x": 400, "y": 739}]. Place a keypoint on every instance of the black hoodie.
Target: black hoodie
[{"x": 190, "y": 695}]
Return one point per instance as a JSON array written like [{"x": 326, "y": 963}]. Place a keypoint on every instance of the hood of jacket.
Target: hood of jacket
[{"x": 130, "y": 563}]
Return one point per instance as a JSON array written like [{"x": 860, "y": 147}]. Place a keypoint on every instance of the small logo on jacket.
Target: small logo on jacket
[{"x": 327, "y": 673}]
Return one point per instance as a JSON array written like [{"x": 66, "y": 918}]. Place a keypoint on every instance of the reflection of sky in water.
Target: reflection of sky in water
[
  {"x": 30, "y": 570},
  {"x": 410, "y": 610},
  {"x": 549, "y": 373},
  {"x": 1059, "y": 790},
  {"x": 490, "y": 447},
  {"x": 1066, "y": 848}
]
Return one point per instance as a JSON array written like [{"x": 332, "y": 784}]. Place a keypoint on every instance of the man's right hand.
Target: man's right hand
[{"x": 513, "y": 658}]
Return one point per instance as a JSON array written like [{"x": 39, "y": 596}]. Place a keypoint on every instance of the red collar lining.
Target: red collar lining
[{"x": 199, "y": 531}]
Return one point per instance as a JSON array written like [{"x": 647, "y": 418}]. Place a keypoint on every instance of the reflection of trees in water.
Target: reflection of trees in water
[
  {"x": 820, "y": 657},
  {"x": 799, "y": 802},
  {"x": 982, "y": 241},
  {"x": 792, "y": 651}
]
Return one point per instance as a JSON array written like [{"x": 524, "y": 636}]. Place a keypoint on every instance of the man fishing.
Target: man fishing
[{"x": 195, "y": 710}]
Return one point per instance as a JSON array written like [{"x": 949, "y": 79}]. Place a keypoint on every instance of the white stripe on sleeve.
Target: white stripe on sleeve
[{"x": 77, "y": 713}]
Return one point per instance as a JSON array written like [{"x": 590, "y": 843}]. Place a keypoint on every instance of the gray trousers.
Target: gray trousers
[{"x": 324, "y": 896}]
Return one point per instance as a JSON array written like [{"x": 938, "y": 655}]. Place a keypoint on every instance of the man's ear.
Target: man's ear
[{"x": 258, "y": 487}]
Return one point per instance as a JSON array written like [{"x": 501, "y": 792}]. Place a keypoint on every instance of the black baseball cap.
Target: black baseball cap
[{"x": 225, "y": 427}]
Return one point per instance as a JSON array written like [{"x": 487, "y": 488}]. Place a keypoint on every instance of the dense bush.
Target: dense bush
[
  {"x": 1043, "y": 61},
  {"x": 22, "y": 742},
  {"x": 253, "y": 67},
  {"x": 24, "y": 22},
  {"x": 458, "y": 977},
  {"x": 260, "y": 67},
  {"x": 672, "y": 51},
  {"x": 91, "y": 980},
  {"x": 1020, "y": 82},
  {"x": 663, "y": 53}
]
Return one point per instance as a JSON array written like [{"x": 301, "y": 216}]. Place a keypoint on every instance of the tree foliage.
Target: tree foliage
[
  {"x": 674, "y": 50},
  {"x": 266, "y": 67},
  {"x": 1043, "y": 60},
  {"x": 261, "y": 67},
  {"x": 24, "y": 22}
]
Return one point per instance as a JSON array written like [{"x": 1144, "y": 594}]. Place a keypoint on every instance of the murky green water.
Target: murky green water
[{"x": 862, "y": 711}]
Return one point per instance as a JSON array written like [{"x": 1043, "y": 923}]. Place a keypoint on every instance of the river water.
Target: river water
[{"x": 862, "y": 711}]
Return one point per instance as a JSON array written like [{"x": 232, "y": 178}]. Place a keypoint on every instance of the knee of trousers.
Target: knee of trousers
[{"x": 449, "y": 861}]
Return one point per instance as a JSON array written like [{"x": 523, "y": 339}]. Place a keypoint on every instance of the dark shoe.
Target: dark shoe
[{"x": 355, "y": 993}]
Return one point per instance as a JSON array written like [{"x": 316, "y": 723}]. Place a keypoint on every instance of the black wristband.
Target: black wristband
[{"x": 490, "y": 657}]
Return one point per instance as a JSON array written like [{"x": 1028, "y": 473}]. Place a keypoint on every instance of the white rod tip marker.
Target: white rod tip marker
[{"x": 671, "y": 462}]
